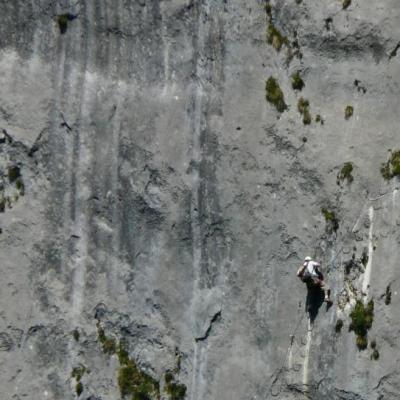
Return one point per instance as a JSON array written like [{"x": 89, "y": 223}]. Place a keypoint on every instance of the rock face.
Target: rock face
[{"x": 155, "y": 206}]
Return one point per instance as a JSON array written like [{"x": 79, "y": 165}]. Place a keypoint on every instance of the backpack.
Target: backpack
[{"x": 306, "y": 277}]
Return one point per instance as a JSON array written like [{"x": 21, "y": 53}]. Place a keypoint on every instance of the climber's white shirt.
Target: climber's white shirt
[{"x": 312, "y": 267}]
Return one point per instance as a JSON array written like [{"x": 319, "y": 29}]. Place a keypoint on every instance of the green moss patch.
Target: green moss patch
[
  {"x": 275, "y": 38},
  {"x": 274, "y": 94},
  {"x": 361, "y": 321},
  {"x": 297, "y": 82},
  {"x": 391, "y": 168},
  {"x": 303, "y": 106},
  {"x": 348, "y": 112}
]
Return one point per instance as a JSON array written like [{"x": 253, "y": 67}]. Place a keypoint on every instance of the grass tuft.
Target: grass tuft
[
  {"x": 331, "y": 219},
  {"x": 361, "y": 321},
  {"x": 303, "y": 106}
]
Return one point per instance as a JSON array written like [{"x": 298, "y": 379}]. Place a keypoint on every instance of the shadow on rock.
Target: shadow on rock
[{"x": 314, "y": 301}]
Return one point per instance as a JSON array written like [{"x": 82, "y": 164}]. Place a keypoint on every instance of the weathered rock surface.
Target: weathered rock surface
[{"x": 151, "y": 196}]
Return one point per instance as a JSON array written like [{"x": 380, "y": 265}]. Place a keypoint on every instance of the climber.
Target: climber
[{"x": 310, "y": 273}]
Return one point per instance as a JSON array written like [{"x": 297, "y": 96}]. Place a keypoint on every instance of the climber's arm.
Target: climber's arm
[{"x": 300, "y": 271}]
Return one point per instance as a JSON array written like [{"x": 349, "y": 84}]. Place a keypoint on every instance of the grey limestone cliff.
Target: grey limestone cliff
[{"x": 157, "y": 198}]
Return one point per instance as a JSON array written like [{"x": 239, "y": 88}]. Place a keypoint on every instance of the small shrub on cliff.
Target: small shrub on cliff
[
  {"x": 345, "y": 172},
  {"x": 391, "y": 168}
]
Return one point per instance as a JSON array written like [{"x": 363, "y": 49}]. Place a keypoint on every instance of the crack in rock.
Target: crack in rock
[{"x": 214, "y": 319}]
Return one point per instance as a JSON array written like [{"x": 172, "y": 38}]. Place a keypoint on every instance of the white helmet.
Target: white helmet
[{"x": 307, "y": 258}]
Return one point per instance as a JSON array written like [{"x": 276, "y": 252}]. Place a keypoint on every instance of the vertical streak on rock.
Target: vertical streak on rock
[
  {"x": 113, "y": 64},
  {"x": 195, "y": 219},
  {"x": 196, "y": 157},
  {"x": 166, "y": 44},
  {"x": 208, "y": 238},
  {"x": 82, "y": 162},
  {"x": 72, "y": 86},
  {"x": 367, "y": 274},
  {"x": 307, "y": 355}
]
